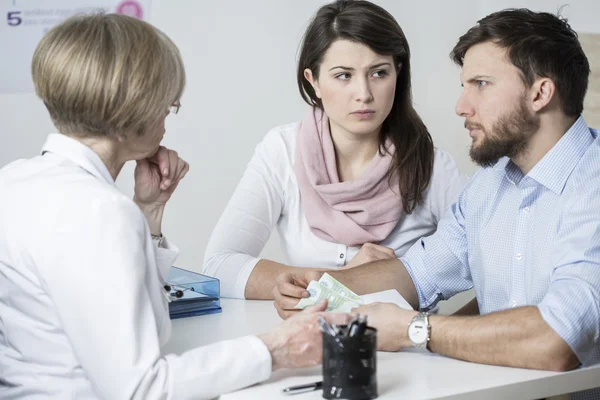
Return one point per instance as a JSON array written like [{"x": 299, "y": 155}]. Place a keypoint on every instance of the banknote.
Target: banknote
[
  {"x": 332, "y": 290},
  {"x": 335, "y": 286}
]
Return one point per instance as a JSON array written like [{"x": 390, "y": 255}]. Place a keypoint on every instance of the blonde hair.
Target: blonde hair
[{"x": 107, "y": 74}]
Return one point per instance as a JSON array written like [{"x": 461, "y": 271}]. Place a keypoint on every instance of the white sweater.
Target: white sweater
[{"x": 268, "y": 196}]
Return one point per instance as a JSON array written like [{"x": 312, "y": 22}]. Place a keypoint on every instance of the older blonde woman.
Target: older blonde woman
[{"x": 82, "y": 267}]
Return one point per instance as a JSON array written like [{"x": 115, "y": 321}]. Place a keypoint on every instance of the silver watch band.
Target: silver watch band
[{"x": 423, "y": 318}]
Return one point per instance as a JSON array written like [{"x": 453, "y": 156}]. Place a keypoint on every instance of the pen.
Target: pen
[
  {"x": 325, "y": 327},
  {"x": 351, "y": 324},
  {"x": 359, "y": 329},
  {"x": 309, "y": 387}
]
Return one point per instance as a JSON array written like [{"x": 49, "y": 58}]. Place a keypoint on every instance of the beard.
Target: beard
[{"x": 509, "y": 136}]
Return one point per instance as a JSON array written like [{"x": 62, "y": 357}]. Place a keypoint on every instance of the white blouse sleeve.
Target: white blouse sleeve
[
  {"x": 446, "y": 184},
  {"x": 103, "y": 286},
  {"x": 249, "y": 218}
]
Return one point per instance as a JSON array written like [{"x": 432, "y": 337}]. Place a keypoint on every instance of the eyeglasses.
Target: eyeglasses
[{"x": 174, "y": 109}]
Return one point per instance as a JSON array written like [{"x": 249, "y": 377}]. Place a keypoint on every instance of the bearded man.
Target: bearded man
[{"x": 525, "y": 232}]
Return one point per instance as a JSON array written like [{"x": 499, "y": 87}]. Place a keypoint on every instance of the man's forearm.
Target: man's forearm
[
  {"x": 518, "y": 338},
  {"x": 377, "y": 276}
]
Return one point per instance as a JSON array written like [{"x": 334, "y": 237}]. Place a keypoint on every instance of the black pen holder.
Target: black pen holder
[{"x": 350, "y": 366}]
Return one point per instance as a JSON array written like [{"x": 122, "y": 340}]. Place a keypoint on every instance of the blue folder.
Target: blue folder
[{"x": 200, "y": 294}]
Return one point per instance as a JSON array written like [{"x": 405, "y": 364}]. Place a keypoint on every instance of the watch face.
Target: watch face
[{"x": 417, "y": 332}]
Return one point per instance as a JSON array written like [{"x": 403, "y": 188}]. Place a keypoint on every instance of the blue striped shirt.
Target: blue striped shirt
[{"x": 525, "y": 240}]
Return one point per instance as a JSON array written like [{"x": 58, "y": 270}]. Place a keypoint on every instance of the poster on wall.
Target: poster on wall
[
  {"x": 24, "y": 22},
  {"x": 590, "y": 42}
]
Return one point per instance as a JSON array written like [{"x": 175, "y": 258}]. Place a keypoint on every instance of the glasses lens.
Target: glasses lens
[{"x": 174, "y": 109}]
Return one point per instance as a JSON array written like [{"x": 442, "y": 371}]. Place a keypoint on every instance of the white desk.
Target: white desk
[{"x": 403, "y": 375}]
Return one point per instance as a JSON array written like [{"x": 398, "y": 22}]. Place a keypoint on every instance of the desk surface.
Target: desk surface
[{"x": 405, "y": 374}]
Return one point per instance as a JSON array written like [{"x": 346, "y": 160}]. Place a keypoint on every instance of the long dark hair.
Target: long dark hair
[{"x": 364, "y": 22}]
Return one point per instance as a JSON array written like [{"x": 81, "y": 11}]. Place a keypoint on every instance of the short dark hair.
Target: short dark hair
[
  {"x": 539, "y": 44},
  {"x": 367, "y": 23}
]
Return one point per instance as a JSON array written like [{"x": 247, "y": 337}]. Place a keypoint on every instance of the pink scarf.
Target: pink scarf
[{"x": 352, "y": 212}]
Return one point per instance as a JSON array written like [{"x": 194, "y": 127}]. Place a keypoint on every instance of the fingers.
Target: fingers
[
  {"x": 373, "y": 252},
  {"x": 290, "y": 285},
  {"x": 366, "y": 308},
  {"x": 286, "y": 313},
  {"x": 172, "y": 168},
  {"x": 161, "y": 158},
  {"x": 174, "y": 162},
  {"x": 386, "y": 250},
  {"x": 337, "y": 318},
  {"x": 285, "y": 302},
  {"x": 287, "y": 295},
  {"x": 169, "y": 172},
  {"x": 182, "y": 169},
  {"x": 381, "y": 251},
  {"x": 319, "y": 307}
]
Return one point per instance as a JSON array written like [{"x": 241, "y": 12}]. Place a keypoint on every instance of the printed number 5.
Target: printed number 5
[{"x": 14, "y": 18}]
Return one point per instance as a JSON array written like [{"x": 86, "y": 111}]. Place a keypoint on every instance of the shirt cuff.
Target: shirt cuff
[
  {"x": 166, "y": 254},
  {"x": 209, "y": 371},
  {"x": 572, "y": 313},
  {"x": 426, "y": 303},
  {"x": 263, "y": 357}
]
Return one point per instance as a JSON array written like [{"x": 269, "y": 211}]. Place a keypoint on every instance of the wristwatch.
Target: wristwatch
[{"x": 419, "y": 331}]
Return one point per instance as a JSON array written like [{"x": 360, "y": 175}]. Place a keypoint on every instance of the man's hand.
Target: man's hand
[
  {"x": 290, "y": 288},
  {"x": 156, "y": 178},
  {"x": 391, "y": 323},
  {"x": 298, "y": 341},
  {"x": 370, "y": 252}
]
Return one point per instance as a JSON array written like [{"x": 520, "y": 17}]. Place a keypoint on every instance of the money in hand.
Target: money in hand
[
  {"x": 335, "y": 286},
  {"x": 339, "y": 297}
]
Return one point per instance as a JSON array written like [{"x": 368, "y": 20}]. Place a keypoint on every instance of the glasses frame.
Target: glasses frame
[{"x": 174, "y": 108}]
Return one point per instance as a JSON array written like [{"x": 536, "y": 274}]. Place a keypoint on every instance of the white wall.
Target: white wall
[
  {"x": 581, "y": 14},
  {"x": 240, "y": 59},
  {"x": 241, "y": 64}
]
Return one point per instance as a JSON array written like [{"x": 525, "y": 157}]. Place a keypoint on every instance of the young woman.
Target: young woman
[
  {"x": 83, "y": 312},
  {"x": 358, "y": 179}
]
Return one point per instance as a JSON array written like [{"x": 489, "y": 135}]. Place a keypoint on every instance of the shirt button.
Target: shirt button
[
  {"x": 527, "y": 209},
  {"x": 513, "y": 304},
  {"x": 341, "y": 255},
  {"x": 519, "y": 257}
]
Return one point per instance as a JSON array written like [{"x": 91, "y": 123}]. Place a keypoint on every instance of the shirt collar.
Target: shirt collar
[
  {"x": 556, "y": 166},
  {"x": 78, "y": 153},
  {"x": 553, "y": 170}
]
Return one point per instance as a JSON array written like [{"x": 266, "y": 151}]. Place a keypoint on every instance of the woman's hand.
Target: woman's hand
[
  {"x": 156, "y": 178},
  {"x": 371, "y": 252}
]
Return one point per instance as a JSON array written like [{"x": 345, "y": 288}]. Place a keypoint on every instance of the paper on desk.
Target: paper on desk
[{"x": 387, "y": 296}]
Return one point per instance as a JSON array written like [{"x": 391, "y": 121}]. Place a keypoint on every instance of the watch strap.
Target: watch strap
[{"x": 424, "y": 318}]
